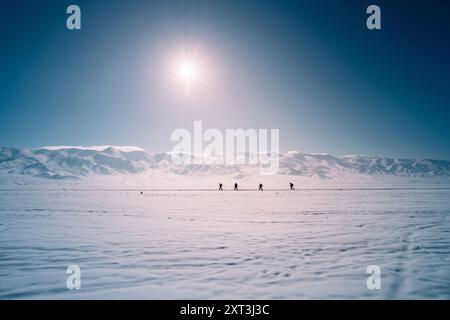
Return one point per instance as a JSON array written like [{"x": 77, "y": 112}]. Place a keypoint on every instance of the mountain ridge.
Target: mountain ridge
[{"x": 77, "y": 162}]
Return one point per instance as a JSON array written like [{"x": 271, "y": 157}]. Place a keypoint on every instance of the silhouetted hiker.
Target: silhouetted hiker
[
  {"x": 292, "y": 185},
  {"x": 142, "y": 192},
  {"x": 220, "y": 187},
  {"x": 236, "y": 187},
  {"x": 260, "y": 187}
]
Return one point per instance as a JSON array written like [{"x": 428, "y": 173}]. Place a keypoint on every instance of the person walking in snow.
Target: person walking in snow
[
  {"x": 236, "y": 187},
  {"x": 292, "y": 185},
  {"x": 260, "y": 187},
  {"x": 220, "y": 187}
]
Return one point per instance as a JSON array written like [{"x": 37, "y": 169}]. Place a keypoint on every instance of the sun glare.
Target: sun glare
[{"x": 189, "y": 72}]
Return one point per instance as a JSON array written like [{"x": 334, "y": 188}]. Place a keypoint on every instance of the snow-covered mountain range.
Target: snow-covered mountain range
[{"x": 78, "y": 162}]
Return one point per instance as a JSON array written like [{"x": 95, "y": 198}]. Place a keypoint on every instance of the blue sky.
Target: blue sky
[{"x": 309, "y": 68}]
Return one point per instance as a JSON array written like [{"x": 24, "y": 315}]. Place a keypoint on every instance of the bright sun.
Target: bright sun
[{"x": 189, "y": 72}]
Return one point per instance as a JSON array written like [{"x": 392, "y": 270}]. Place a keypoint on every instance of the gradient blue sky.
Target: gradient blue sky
[{"x": 309, "y": 68}]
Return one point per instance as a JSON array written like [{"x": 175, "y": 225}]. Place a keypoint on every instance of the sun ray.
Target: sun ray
[{"x": 188, "y": 72}]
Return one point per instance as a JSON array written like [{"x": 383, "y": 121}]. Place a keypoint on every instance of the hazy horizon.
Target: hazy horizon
[{"x": 168, "y": 151}]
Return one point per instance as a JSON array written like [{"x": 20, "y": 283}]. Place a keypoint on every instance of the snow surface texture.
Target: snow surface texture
[{"x": 183, "y": 239}]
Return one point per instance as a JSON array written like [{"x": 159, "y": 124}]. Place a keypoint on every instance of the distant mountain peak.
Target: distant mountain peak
[
  {"x": 75, "y": 162},
  {"x": 94, "y": 148}
]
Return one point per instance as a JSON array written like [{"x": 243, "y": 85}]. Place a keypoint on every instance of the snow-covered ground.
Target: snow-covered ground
[{"x": 314, "y": 242}]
